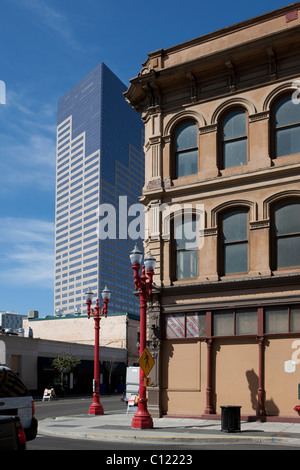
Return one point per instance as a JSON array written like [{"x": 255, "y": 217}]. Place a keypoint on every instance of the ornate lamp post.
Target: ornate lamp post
[
  {"x": 143, "y": 284},
  {"x": 96, "y": 407}
]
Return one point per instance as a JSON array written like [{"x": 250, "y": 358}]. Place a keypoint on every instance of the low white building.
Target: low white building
[
  {"x": 31, "y": 359},
  {"x": 118, "y": 330}
]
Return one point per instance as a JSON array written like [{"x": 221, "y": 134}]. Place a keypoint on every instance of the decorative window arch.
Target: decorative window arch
[
  {"x": 284, "y": 126},
  {"x": 233, "y": 138}
]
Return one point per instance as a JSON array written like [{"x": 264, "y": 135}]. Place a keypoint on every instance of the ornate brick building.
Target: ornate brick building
[{"x": 222, "y": 154}]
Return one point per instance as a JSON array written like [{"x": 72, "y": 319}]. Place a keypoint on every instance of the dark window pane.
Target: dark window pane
[
  {"x": 287, "y": 231},
  {"x": 287, "y": 129},
  {"x": 235, "y": 153},
  {"x": 246, "y": 321},
  {"x": 235, "y": 226},
  {"x": 276, "y": 319},
  {"x": 186, "y": 150},
  {"x": 287, "y": 141},
  {"x": 187, "y": 163},
  {"x": 234, "y": 125},
  {"x": 288, "y": 251},
  {"x": 236, "y": 258},
  {"x": 287, "y": 112},
  {"x": 186, "y": 137},
  {"x": 287, "y": 219}
]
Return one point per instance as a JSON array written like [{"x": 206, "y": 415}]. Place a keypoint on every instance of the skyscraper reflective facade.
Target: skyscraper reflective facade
[{"x": 99, "y": 158}]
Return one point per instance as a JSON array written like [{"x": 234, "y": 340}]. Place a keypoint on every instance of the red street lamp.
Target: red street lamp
[
  {"x": 96, "y": 408},
  {"x": 143, "y": 284}
]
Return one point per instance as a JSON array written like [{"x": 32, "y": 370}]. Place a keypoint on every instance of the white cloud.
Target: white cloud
[
  {"x": 55, "y": 21},
  {"x": 27, "y": 144},
  {"x": 26, "y": 252},
  {"x": 28, "y": 162}
]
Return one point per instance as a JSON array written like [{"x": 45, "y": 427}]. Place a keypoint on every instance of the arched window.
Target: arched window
[
  {"x": 234, "y": 242},
  {"x": 234, "y": 139},
  {"x": 286, "y": 127},
  {"x": 286, "y": 235},
  {"x": 186, "y": 149},
  {"x": 185, "y": 246}
]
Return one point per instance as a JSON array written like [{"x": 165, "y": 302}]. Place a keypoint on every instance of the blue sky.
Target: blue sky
[{"x": 46, "y": 46}]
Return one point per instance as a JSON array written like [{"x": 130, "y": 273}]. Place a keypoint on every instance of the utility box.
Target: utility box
[{"x": 132, "y": 381}]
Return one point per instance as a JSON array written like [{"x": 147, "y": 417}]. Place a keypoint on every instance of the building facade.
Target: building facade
[
  {"x": 116, "y": 331},
  {"x": 31, "y": 359},
  {"x": 222, "y": 155},
  {"x": 100, "y": 167}
]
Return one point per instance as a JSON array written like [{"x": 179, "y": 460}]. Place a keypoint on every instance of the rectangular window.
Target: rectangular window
[
  {"x": 223, "y": 323},
  {"x": 175, "y": 325},
  {"x": 195, "y": 324},
  {"x": 276, "y": 319},
  {"x": 282, "y": 319},
  {"x": 186, "y": 248},
  {"x": 246, "y": 321},
  {"x": 235, "y": 322},
  {"x": 235, "y": 242},
  {"x": 189, "y": 325},
  {"x": 295, "y": 318},
  {"x": 187, "y": 163}
]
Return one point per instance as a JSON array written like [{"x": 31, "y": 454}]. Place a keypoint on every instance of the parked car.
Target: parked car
[
  {"x": 12, "y": 435},
  {"x": 16, "y": 400}
]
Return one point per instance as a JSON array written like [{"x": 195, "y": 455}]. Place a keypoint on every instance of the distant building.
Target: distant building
[
  {"x": 11, "y": 320},
  {"x": 99, "y": 158}
]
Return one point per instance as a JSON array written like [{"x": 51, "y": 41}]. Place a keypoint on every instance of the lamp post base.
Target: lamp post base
[
  {"x": 96, "y": 408},
  {"x": 142, "y": 421}
]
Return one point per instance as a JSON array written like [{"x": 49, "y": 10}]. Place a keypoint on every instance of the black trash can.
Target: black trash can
[{"x": 231, "y": 418}]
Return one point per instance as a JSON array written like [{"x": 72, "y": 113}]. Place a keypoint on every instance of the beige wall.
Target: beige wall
[
  {"x": 184, "y": 377},
  {"x": 115, "y": 331},
  {"x": 281, "y": 387}
]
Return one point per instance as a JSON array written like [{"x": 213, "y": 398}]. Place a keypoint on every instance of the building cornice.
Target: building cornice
[{"x": 233, "y": 284}]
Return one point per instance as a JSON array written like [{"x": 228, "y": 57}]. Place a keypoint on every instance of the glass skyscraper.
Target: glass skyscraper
[{"x": 99, "y": 158}]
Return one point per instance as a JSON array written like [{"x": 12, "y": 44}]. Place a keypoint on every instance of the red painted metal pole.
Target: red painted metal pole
[
  {"x": 142, "y": 419},
  {"x": 96, "y": 408}
]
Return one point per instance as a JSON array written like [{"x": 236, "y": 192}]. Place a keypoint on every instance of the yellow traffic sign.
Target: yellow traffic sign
[{"x": 146, "y": 361}]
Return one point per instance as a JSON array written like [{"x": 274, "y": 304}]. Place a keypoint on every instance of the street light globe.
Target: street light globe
[
  {"x": 89, "y": 295},
  {"x": 136, "y": 256},
  {"x": 106, "y": 293},
  {"x": 149, "y": 262}
]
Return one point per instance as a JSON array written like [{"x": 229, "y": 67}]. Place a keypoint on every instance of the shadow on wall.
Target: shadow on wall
[{"x": 253, "y": 382}]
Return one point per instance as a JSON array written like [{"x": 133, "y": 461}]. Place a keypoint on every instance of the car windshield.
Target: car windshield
[{"x": 11, "y": 385}]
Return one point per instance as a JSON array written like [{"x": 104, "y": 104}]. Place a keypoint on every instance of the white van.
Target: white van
[{"x": 15, "y": 400}]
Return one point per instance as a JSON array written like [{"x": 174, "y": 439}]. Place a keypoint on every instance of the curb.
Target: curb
[{"x": 173, "y": 438}]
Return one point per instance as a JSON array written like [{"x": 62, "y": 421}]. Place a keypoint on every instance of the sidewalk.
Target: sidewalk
[{"x": 117, "y": 426}]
